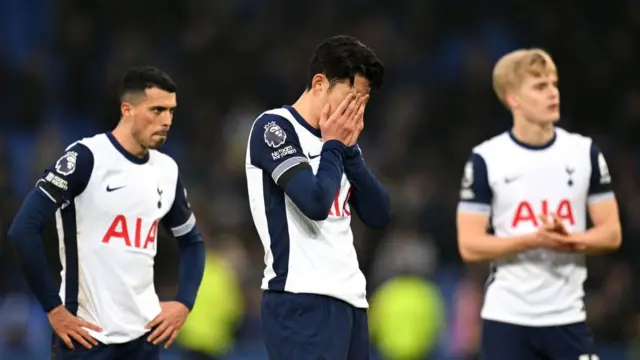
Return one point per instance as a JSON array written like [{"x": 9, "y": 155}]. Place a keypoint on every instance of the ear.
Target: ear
[
  {"x": 319, "y": 82},
  {"x": 511, "y": 100},
  {"x": 126, "y": 109}
]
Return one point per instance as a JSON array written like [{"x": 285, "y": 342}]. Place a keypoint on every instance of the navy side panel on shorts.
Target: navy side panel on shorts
[
  {"x": 313, "y": 327},
  {"x": 566, "y": 342}
]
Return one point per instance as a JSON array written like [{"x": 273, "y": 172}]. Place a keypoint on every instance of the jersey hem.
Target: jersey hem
[
  {"x": 355, "y": 301},
  {"x": 538, "y": 322}
]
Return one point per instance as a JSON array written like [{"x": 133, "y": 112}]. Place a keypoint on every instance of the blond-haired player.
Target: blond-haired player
[{"x": 533, "y": 186}]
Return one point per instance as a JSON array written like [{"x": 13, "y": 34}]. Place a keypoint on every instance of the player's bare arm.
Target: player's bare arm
[
  {"x": 476, "y": 245},
  {"x": 602, "y": 207},
  {"x": 606, "y": 233}
]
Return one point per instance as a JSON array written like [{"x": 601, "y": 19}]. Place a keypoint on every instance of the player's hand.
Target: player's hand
[
  {"x": 168, "y": 323},
  {"x": 553, "y": 235},
  {"x": 561, "y": 229},
  {"x": 68, "y": 327},
  {"x": 359, "y": 119},
  {"x": 340, "y": 124}
]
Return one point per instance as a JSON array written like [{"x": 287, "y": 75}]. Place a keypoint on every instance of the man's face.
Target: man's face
[
  {"x": 152, "y": 116},
  {"x": 538, "y": 98}
]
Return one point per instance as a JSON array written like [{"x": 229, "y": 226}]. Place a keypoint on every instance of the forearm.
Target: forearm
[
  {"x": 599, "y": 239},
  {"x": 369, "y": 197},
  {"x": 191, "y": 268},
  {"x": 314, "y": 194},
  {"x": 489, "y": 247},
  {"x": 26, "y": 241}
]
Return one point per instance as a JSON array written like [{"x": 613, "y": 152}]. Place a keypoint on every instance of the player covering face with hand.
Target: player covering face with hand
[
  {"x": 533, "y": 187},
  {"x": 305, "y": 177}
]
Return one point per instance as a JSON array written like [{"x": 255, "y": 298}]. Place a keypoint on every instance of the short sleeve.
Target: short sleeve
[
  {"x": 180, "y": 219},
  {"x": 275, "y": 148},
  {"x": 600, "y": 185},
  {"x": 68, "y": 177},
  {"x": 475, "y": 193}
]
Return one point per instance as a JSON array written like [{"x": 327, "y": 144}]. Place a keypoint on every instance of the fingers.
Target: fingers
[
  {"x": 172, "y": 339},
  {"x": 546, "y": 225},
  {"x": 344, "y": 105},
  {"x": 67, "y": 341},
  {"x": 324, "y": 115},
  {"x": 352, "y": 109},
  {"x": 559, "y": 224},
  {"x": 158, "y": 333},
  {"x": 155, "y": 322},
  {"x": 166, "y": 333},
  {"x": 77, "y": 337},
  {"x": 90, "y": 326},
  {"x": 88, "y": 337}
]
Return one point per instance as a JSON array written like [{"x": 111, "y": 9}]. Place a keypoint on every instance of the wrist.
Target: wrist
[{"x": 528, "y": 242}]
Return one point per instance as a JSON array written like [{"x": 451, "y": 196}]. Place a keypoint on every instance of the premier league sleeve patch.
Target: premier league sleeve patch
[
  {"x": 274, "y": 136},
  {"x": 66, "y": 165}
]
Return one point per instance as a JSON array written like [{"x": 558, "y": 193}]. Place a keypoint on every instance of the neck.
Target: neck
[
  {"x": 531, "y": 133},
  {"x": 304, "y": 107},
  {"x": 123, "y": 134}
]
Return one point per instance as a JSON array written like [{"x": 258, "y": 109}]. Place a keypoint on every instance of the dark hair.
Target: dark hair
[
  {"x": 139, "y": 78},
  {"x": 341, "y": 57}
]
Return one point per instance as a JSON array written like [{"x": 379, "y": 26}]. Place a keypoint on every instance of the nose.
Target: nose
[{"x": 167, "y": 119}]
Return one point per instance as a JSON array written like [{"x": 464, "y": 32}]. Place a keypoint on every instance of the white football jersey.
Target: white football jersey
[
  {"x": 301, "y": 255},
  {"x": 514, "y": 183},
  {"x": 110, "y": 205}
]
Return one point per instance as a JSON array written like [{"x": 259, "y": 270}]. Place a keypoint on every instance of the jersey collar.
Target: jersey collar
[
  {"x": 302, "y": 121},
  {"x": 129, "y": 156},
  {"x": 533, "y": 147}
]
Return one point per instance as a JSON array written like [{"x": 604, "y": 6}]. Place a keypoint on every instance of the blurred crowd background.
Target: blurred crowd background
[{"x": 60, "y": 62}]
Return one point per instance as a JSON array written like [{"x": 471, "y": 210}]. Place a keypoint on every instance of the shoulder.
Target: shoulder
[
  {"x": 573, "y": 140},
  {"x": 273, "y": 118},
  {"x": 273, "y": 127},
  {"x": 77, "y": 155},
  {"x": 493, "y": 147},
  {"x": 163, "y": 161}
]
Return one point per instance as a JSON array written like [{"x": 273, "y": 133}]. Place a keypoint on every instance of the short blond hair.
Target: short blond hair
[{"x": 512, "y": 68}]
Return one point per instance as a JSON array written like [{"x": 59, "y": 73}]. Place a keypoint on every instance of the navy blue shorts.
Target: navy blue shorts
[
  {"x": 501, "y": 341},
  {"x": 313, "y": 327},
  {"x": 138, "y": 349}
]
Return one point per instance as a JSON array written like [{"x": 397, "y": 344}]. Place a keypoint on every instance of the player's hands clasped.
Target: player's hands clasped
[
  {"x": 342, "y": 123},
  {"x": 68, "y": 327},
  {"x": 168, "y": 323},
  {"x": 553, "y": 235}
]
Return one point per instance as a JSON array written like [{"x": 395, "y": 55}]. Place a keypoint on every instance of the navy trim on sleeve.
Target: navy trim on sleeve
[
  {"x": 274, "y": 146},
  {"x": 475, "y": 193},
  {"x": 600, "y": 182},
  {"x": 68, "y": 176},
  {"x": 180, "y": 219}
]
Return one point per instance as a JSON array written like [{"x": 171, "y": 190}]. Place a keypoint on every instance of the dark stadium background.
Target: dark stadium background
[{"x": 60, "y": 62}]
